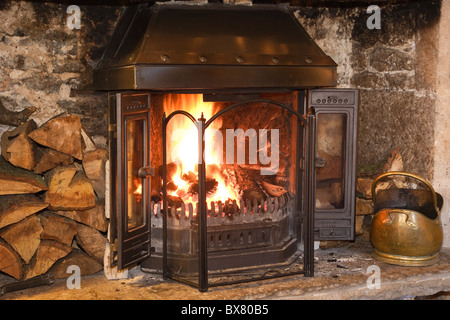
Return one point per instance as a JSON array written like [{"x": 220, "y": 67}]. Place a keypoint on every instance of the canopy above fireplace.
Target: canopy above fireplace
[{"x": 211, "y": 47}]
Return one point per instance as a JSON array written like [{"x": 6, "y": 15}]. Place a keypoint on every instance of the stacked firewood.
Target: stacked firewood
[
  {"x": 366, "y": 176},
  {"x": 52, "y": 199}
]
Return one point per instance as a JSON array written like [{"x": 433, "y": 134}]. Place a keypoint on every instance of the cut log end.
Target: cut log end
[
  {"x": 10, "y": 262},
  {"x": 62, "y": 134},
  {"x": 14, "y": 208},
  {"x": 14, "y": 180},
  {"x": 24, "y": 237},
  {"x": 69, "y": 189},
  {"x": 17, "y": 148},
  {"x": 47, "y": 254}
]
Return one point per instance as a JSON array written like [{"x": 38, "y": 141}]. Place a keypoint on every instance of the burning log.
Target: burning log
[
  {"x": 210, "y": 185},
  {"x": 17, "y": 148},
  {"x": 174, "y": 201},
  {"x": 243, "y": 178},
  {"x": 171, "y": 186},
  {"x": 273, "y": 190},
  {"x": 171, "y": 169},
  {"x": 254, "y": 194}
]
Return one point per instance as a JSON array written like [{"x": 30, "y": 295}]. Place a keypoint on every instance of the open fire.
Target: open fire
[
  {"x": 249, "y": 180},
  {"x": 226, "y": 158},
  {"x": 183, "y": 152}
]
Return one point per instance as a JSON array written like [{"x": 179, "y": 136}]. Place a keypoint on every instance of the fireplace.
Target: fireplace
[{"x": 230, "y": 152}]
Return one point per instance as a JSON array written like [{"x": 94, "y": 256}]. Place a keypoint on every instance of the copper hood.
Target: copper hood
[{"x": 211, "y": 47}]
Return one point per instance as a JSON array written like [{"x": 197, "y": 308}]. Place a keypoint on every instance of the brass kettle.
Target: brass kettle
[{"x": 406, "y": 227}]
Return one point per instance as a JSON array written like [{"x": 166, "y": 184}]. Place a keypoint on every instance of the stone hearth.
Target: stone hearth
[{"x": 341, "y": 274}]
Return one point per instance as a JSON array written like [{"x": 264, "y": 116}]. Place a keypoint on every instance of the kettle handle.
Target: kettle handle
[{"x": 407, "y": 174}]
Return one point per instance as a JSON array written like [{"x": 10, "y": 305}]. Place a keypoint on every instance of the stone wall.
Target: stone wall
[
  {"x": 394, "y": 68},
  {"x": 45, "y": 64},
  {"x": 48, "y": 65},
  {"x": 402, "y": 71},
  {"x": 403, "y": 99},
  {"x": 441, "y": 180}
]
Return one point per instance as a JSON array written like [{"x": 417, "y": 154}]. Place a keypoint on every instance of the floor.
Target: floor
[{"x": 343, "y": 272}]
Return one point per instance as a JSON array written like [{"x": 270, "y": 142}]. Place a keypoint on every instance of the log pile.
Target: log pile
[
  {"x": 52, "y": 200},
  {"x": 366, "y": 176},
  {"x": 364, "y": 204}
]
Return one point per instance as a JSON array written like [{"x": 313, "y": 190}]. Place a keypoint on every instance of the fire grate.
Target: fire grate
[{"x": 247, "y": 231}]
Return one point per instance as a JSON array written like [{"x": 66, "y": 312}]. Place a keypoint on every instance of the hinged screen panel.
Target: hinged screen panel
[{"x": 133, "y": 178}]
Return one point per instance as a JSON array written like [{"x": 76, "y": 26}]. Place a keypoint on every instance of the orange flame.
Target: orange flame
[
  {"x": 182, "y": 146},
  {"x": 138, "y": 191}
]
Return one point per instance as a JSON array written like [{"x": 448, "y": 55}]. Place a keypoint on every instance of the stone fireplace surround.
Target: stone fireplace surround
[{"x": 400, "y": 70}]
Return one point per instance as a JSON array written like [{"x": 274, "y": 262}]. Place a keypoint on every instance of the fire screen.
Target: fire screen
[{"x": 226, "y": 215}]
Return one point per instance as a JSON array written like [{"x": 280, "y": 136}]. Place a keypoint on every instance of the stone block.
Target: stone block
[{"x": 390, "y": 59}]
